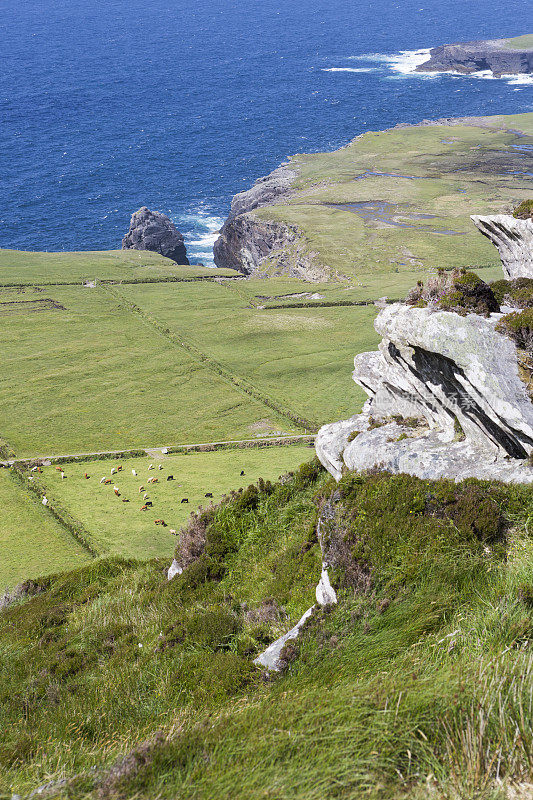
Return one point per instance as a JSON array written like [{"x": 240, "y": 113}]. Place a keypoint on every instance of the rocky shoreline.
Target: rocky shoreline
[{"x": 494, "y": 55}]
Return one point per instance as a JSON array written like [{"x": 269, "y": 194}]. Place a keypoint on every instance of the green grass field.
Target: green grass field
[
  {"x": 23, "y": 267},
  {"x": 94, "y": 377},
  {"x": 119, "y": 528},
  {"x": 32, "y": 543}
]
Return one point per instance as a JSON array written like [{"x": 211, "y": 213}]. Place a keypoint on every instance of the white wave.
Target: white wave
[
  {"x": 200, "y": 229},
  {"x": 405, "y": 64},
  {"x": 407, "y": 61},
  {"x": 348, "y": 69}
]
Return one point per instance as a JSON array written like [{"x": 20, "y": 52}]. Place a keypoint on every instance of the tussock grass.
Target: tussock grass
[{"x": 417, "y": 685}]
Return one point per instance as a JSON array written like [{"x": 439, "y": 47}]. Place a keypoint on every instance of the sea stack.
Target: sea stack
[{"x": 150, "y": 230}]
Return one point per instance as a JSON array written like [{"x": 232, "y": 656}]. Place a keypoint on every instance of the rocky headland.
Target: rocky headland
[
  {"x": 390, "y": 201},
  {"x": 499, "y": 56},
  {"x": 150, "y": 230}
]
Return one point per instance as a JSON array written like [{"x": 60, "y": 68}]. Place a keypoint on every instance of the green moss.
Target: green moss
[
  {"x": 460, "y": 290},
  {"x": 353, "y": 435},
  {"x": 524, "y": 210}
]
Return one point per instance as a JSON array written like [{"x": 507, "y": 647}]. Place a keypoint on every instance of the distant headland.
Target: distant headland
[{"x": 499, "y": 56}]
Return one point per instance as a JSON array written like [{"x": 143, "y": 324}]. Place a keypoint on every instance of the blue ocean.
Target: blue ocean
[{"x": 107, "y": 105}]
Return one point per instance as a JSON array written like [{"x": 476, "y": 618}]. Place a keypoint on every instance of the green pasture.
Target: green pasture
[
  {"x": 301, "y": 358},
  {"x": 120, "y": 528},
  {"x": 18, "y": 266},
  {"x": 94, "y": 377},
  {"x": 32, "y": 542},
  {"x": 444, "y": 173}
]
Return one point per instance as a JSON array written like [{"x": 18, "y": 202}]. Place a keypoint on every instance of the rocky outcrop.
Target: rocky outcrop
[
  {"x": 150, "y": 230},
  {"x": 467, "y": 57},
  {"x": 445, "y": 399},
  {"x": 252, "y": 244},
  {"x": 514, "y": 240}
]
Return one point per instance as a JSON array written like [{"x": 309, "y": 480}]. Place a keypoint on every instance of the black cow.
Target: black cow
[
  {"x": 184, "y": 499},
  {"x": 170, "y": 477},
  {"x": 242, "y": 472},
  {"x": 148, "y": 503},
  {"x": 209, "y": 494}
]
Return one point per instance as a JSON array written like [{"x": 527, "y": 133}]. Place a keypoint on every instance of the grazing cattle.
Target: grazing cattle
[
  {"x": 151, "y": 466},
  {"x": 39, "y": 469},
  {"x": 143, "y": 508},
  {"x": 184, "y": 499},
  {"x": 173, "y": 532},
  {"x": 149, "y": 503},
  {"x": 107, "y": 482},
  {"x": 242, "y": 472},
  {"x": 170, "y": 477},
  {"x": 63, "y": 476},
  {"x": 125, "y": 500},
  {"x": 119, "y": 468},
  {"x": 160, "y": 522},
  {"x": 209, "y": 494},
  {"x": 103, "y": 480},
  {"x": 113, "y": 470},
  {"x": 133, "y": 472},
  {"x": 160, "y": 466},
  {"x": 141, "y": 489},
  {"x": 86, "y": 476},
  {"x": 145, "y": 495},
  {"x": 153, "y": 480},
  {"x": 34, "y": 469},
  {"x": 59, "y": 469},
  {"x": 115, "y": 489}
]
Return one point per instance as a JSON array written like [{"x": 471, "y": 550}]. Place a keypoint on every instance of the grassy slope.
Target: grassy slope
[
  {"x": 122, "y": 529},
  {"x": 17, "y": 266},
  {"x": 421, "y": 684},
  {"x": 32, "y": 543},
  {"x": 455, "y": 171}
]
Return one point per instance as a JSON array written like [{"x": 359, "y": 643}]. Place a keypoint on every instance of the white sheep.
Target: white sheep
[
  {"x": 133, "y": 472},
  {"x": 45, "y": 501},
  {"x": 103, "y": 480},
  {"x": 113, "y": 470},
  {"x": 151, "y": 466},
  {"x": 63, "y": 476},
  {"x": 160, "y": 466}
]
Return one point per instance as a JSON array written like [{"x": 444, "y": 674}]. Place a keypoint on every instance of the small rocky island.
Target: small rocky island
[
  {"x": 150, "y": 230},
  {"x": 499, "y": 56}
]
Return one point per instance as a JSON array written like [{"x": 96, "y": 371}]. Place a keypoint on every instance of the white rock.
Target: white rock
[
  {"x": 173, "y": 570},
  {"x": 325, "y": 593},
  {"x": 514, "y": 240},
  {"x": 270, "y": 657}
]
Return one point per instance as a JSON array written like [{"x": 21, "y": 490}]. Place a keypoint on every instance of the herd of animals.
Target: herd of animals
[{"x": 147, "y": 503}]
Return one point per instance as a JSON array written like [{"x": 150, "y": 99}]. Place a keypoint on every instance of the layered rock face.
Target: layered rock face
[
  {"x": 247, "y": 241},
  {"x": 445, "y": 399},
  {"x": 150, "y": 230},
  {"x": 468, "y": 57},
  {"x": 514, "y": 240}
]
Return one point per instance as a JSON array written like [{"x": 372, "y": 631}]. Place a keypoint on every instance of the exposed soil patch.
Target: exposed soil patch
[
  {"x": 24, "y": 306},
  {"x": 390, "y": 214}
]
